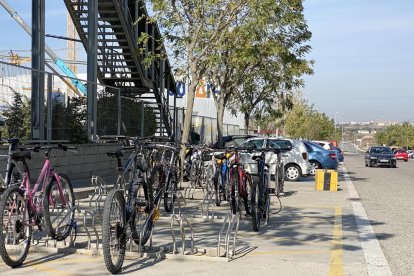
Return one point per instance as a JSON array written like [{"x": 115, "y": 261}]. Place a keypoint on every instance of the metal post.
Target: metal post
[
  {"x": 137, "y": 23},
  {"x": 146, "y": 47},
  {"x": 175, "y": 117},
  {"x": 162, "y": 91},
  {"x": 92, "y": 67},
  {"x": 49, "y": 107},
  {"x": 119, "y": 110},
  {"x": 38, "y": 64},
  {"x": 142, "y": 118},
  {"x": 126, "y": 8},
  {"x": 153, "y": 51}
]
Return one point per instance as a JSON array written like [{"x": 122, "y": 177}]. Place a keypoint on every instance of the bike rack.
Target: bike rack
[
  {"x": 232, "y": 222},
  {"x": 207, "y": 201},
  {"x": 180, "y": 219},
  {"x": 179, "y": 199}
]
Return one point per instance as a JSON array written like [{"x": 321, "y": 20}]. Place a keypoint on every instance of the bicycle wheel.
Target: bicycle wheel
[
  {"x": 193, "y": 174},
  {"x": 247, "y": 186},
  {"x": 255, "y": 202},
  {"x": 170, "y": 191},
  {"x": 15, "y": 231},
  {"x": 59, "y": 208},
  {"x": 218, "y": 182},
  {"x": 113, "y": 231},
  {"x": 234, "y": 190}
]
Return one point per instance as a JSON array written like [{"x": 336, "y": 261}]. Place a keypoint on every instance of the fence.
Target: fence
[{"x": 64, "y": 114}]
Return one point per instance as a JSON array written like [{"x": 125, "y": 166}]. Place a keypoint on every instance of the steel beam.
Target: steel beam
[
  {"x": 92, "y": 68},
  {"x": 38, "y": 76}
]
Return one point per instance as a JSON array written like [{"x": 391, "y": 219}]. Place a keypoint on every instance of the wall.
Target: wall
[{"x": 90, "y": 159}]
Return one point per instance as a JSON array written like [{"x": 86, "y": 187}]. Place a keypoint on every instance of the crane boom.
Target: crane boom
[{"x": 65, "y": 69}]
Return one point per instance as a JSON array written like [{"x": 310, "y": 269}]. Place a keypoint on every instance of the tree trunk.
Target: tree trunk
[
  {"x": 246, "y": 123},
  {"x": 220, "y": 119},
  {"x": 188, "y": 119}
]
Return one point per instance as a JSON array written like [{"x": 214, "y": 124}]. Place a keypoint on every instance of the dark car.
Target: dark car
[
  {"x": 380, "y": 156},
  {"x": 234, "y": 140}
]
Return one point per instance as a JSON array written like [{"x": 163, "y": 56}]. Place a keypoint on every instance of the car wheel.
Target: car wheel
[
  {"x": 406, "y": 160},
  {"x": 292, "y": 172},
  {"x": 366, "y": 164},
  {"x": 314, "y": 166}
]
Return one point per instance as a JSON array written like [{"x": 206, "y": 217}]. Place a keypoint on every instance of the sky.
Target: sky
[
  {"x": 363, "y": 52},
  {"x": 364, "y": 59}
]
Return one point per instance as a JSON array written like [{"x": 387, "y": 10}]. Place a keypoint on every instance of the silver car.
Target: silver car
[{"x": 296, "y": 161}]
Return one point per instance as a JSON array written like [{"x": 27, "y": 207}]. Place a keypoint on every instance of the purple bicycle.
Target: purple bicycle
[{"x": 22, "y": 207}]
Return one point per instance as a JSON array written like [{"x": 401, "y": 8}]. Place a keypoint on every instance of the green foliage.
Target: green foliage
[
  {"x": 17, "y": 123},
  {"x": 396, "y": 135},
  {"x": 305, "y": 122},
  {"x": 130, "y": 117}
]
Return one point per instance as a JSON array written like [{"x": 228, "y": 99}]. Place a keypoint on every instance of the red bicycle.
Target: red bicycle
[{"x": 239, "y": 181}]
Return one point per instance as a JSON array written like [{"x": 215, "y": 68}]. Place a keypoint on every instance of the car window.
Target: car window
[
  {"x": 317, "y": 147},
  {"x": 308, "y": 147},
  {"x": 277, "y": 143},
  {"x": 254, "y": 144},
  {"x": 239, "y": 141},
  {"x": 380, "y": 150}
]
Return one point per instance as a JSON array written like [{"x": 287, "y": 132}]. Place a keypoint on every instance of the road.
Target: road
[{"x": 387, "y": 196}]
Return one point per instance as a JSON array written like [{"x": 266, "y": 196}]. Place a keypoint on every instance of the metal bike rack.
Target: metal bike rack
[
  {"x": 180, "y": 221},
  {"x": 207, "y": 201},
  {"x": 180, "y": 199},
  {"x": 232, "y": 222}
]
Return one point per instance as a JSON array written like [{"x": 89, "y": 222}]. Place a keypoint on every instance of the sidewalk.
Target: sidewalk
[{"x": 315, "y": 233}]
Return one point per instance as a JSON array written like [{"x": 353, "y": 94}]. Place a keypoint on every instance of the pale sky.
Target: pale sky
[
  {"x": 364, "y": 58},
  {"x": 363, "y": 52}
]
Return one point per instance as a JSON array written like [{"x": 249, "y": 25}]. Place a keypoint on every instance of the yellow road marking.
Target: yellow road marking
[
  {"x": 336, "y": 266},
  {"x": 287, "y": 252}
]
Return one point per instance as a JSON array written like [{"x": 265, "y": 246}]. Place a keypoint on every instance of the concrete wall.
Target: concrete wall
[{"x": 91, "y": 159}]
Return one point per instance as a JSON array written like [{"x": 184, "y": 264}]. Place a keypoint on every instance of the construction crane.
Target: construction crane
[{"x": 78, "y": 86}]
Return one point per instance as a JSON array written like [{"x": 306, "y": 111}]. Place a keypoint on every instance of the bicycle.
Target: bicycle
[
  {"x": 239, "y": 182},
  {"x": 261, "y": 190},
  {"x": 23, "y": 207},
  {"x": 134, "y": 210}
]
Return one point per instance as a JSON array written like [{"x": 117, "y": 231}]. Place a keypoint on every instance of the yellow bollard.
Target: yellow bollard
[{"x": 326, "y": 180}]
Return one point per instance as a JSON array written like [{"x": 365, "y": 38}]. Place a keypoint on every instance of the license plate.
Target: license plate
[{"x": 384, "y": 160}]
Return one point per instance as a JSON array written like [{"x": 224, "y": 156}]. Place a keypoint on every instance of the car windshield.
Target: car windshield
[
  {"x": 315, "y": 147},
  {"x": 381, "y": 150},
  {"x": 277, "y": 143},
  {"x": 253, "y": 144}
]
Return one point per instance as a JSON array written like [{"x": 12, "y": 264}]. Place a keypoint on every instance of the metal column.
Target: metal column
[
  {"x": 38, "y": 76},
  {"x": 49, "y": 108},
  {"x": 92, "y": 68},
  {"x": 162, "y": 91}
]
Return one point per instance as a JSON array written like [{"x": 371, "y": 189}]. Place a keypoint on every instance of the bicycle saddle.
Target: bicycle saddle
[
  {"x": 257, "y": 157},
  {"x": 220, "y": 155},
  {"x": 115, "y": 154},
  {"x": 21, "y": 156}
]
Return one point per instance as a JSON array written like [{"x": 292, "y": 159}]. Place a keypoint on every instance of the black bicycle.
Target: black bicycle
[{"x": 261, "y": 190}]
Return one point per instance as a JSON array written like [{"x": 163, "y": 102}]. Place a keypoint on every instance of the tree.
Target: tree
[
  {"x": 263, "y": 56},
  {"x": 303, "y": 121},
  {"x": 17, "y": 123},
  {"x": 401, "y": 135},
  {"x": 194, "y": 30}
]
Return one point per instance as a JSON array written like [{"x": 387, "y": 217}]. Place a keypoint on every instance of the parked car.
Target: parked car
[
  {"x": 401, "y": 154},
  {"x": 325, "y": 144},
  {"x": 339, "y": 154},
  {"x": 411, "y": 154},
  {"x": 380, "y": 156},
  {"x": 234, "y": 140},
  {"x": 296, "y": 161},
  {"x": 320, "y": 158}
]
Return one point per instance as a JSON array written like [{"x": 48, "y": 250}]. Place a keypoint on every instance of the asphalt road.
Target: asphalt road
[{"x": 387, "y": 196}]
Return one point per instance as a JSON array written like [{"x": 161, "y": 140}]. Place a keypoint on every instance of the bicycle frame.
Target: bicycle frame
[{"x": 45, "y": 175}]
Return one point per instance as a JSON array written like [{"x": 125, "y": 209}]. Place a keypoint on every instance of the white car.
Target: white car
[
  {"x": 296, "y": 161},
  {"x": 326, "y": 145}
]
